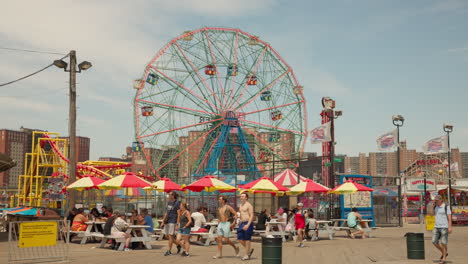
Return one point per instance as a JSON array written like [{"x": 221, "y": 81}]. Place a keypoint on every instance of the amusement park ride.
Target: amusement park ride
[
  {"x": 45, "y": 170},
  {"x": 218, "y": 101}
]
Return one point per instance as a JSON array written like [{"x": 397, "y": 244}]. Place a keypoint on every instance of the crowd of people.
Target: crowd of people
[{"x": 179, "y": 224}]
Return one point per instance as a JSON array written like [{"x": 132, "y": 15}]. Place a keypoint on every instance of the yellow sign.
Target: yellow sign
[
  {"x": 37, "y": 234},
  {"x": 430, "y": 222}
]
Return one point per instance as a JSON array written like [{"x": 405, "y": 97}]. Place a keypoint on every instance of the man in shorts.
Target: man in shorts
[
  {"x": 245, "y": 230},
  {"x": 170, "y": 221},
  {"x": 353, "y": 224},
  {"x": 442, "y": 227},
  {"x": 224, "y": 226}
]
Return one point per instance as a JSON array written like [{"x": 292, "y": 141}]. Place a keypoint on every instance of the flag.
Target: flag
[
  {"x": 436, "y": 145},
  {"x": 320, "y": 134},
  {"x": 388, "y": 140}
]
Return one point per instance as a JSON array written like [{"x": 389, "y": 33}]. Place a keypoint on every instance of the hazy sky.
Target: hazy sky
[{"x": 376, "y": 58}]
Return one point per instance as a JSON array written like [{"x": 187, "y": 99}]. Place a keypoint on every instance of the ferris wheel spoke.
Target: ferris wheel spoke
[
  {"x": 197, "y": 72},
  {"x": 194, "y": 142},
  {"x": 180, "y": 128},
  {"x": 269, "y": 146},
  {"x": 205, "y": 159},
  {"x": 274, "y": 127},
  {"x": 215, "y": 64},
  {"x": 185, "y": 88},
  {"x": 249, "y": 100},
  {"x": 236, "y": 48},
  {"x": 180, "y": 108},
  {"x": 273, "y": 107},
  {"x": 255, "y": 67}
]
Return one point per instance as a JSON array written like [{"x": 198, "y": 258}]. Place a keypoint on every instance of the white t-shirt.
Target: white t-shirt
[
  {"x": 119, "y": 225},
  {"x": 200, "y": 220}
]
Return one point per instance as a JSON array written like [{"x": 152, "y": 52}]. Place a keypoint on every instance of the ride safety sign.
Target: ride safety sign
[{"x": 37, "y": 234}]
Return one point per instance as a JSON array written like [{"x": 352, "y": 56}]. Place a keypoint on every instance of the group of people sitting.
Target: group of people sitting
[{"x": 116, "y": 222}]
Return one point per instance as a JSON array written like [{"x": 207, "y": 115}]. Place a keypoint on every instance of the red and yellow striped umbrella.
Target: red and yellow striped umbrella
[
  {"x": 126, "y": 180},
  {"x": 85, "y": 183},
  {"x": 125, "y": 192},
  {"x": 350, "y": 186},
  {"x": 307, "y": 185},
  {"x": 165, "y": 185},
  {"x": 209, "y": 183},
  {"x": 264, "y": 185}
]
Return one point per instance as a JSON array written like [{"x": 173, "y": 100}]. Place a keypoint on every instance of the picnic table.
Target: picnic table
[
  {"x": 269, "y": 229},
  {"x": 210, "y": 236},
  {"x": 342, "y": 225},
  {"x": 324, "y": 227},
  {"x": 145, "y": 237},
  {"x": 88, "y": 233}
]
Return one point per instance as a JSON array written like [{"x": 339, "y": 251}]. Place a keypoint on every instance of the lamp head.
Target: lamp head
[
  {"x": 448, "y": 128},
  {"x": 338, "y": 113},
  {"x": 398, "y": 118},
  {"x": 83, "y": 66},
  {"x": 328, "y": 103},
  {"x": 60, "y": 64}
]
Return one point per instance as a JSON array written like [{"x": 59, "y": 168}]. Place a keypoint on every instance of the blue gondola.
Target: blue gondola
[
  {"x": 232, "y": 70},
  {"x": 152, "y": 79},
  {"x": 265, "y": 96}
]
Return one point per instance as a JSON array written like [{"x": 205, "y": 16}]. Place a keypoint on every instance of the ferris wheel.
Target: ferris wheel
[{"x": 218, "y": 101}]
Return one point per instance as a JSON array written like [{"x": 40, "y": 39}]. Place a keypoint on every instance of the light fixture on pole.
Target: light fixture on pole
[
  {"x": 72, "y": 115},
  {"x": 398, "y": 121},
  {"x": 448, "y": 129}
]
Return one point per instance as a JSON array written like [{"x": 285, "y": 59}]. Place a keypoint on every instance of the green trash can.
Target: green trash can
[
  {"x": 415, "y": 245},
  {"x": 272, "y": 250}
]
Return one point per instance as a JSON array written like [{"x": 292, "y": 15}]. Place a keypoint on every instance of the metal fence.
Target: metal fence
[{"x": 38, "y": 251}]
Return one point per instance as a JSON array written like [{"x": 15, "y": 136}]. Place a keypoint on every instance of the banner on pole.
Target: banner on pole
[
  {"x": 436, "y": 145},
  {"x": 320, "y": 134},
  {"x": 388, "y": 140}
]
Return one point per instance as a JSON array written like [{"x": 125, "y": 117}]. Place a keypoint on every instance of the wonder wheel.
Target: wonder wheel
[{"x": 218, "y": 101}]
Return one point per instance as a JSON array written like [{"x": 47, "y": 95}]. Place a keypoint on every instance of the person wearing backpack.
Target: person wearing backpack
[
  {"x": 185, "y": 222},
  {"x": 224, "y": 226},
  {"x": 442, "y": 227}
]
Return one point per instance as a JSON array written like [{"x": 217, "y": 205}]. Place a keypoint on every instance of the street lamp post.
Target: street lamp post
[
  {"x": 448, "y": 129},
  {"x": 398, "y": 121},
  {"x": 72, "y": 116}
]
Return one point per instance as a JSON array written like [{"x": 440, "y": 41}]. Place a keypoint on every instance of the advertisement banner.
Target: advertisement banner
[{"x": 418, "y": 184}]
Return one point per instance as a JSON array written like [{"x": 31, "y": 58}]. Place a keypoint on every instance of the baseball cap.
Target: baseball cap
[
  {"x": 300, "y": 204},
  {"x": 437, "y": 197}
]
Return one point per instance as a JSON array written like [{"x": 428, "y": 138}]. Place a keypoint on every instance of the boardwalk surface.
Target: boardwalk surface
[{"x": 389, "y": 246}]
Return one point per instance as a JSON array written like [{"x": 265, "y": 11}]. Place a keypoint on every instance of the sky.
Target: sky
[{"x": 375, "y": 58}]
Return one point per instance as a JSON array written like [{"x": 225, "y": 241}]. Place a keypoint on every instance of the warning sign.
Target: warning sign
[{"x": 37, "y": 234}]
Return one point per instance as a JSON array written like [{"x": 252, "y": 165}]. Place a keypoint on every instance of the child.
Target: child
[
  {"x": 155, "y": 220},
  {"x": 311, "y": 226}
]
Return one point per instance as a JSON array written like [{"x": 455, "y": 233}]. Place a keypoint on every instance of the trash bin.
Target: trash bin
[
  {"x": 272, "y": 250},
  {"x": 415, "y": 245}
]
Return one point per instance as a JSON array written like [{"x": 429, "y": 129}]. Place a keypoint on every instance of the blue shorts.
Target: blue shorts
[
  {"x": 184, "y": 231},
  {"x": 440, "y": 234},
  {"x": 245, "y": 234}
]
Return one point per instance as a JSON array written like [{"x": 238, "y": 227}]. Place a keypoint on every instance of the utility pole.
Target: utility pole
[
  {"x": 84, "y": 65},
  {"x": 72, "y": 129}
]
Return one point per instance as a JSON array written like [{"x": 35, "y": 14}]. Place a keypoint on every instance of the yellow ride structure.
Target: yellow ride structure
[{"x": 46, "y": 168}]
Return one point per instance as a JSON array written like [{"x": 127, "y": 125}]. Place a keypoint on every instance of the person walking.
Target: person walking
[
  {"x": 170, "y": 221},
  {"x": 184, "y": 220},
  {"x": 245, "y": 230},
  {"x": 224, "y": 226},
  {"x": 300, "y": 223},
  {"x": 442, "y": 226}
]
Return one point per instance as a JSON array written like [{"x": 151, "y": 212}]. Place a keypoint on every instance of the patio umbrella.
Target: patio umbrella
[
  {"x": 86, "y": 183},
  {"x": 349, "y": 187},
  {"x": 264, "y": 185},
  {"x": 165, "y": 185},
  {"x": 209, "y": 183},
  {"x": 126, "y": 192},
  {"x": 24, "y": 211},
  {"x": 288, "y": 177},
  {"x": 126, "y": 180},
  {"x": 307, "y": 185}
]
